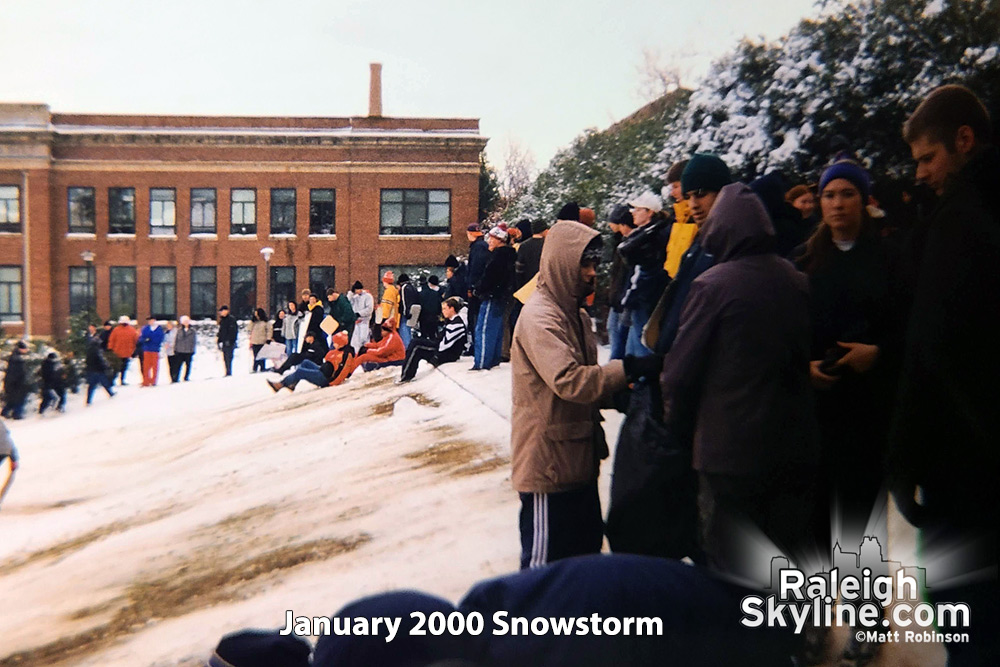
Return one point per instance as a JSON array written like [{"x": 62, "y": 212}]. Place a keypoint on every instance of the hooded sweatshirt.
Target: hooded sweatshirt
[
  {"x": 557, "y": 440},
  {"x": 739, "y": 368}
]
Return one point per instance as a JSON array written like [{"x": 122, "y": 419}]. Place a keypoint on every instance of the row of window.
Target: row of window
[
  {"x": 163, "y": 211},
  {"x": 408, "y": 211},
  {"x": 203, "y": 285}
]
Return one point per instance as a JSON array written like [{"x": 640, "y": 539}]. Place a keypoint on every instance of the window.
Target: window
[
  {"x": 121, "y": 210},
  {"x": 122, "y": 279},
  {"x": 81, "y": 210},
  {"x": 242, "y": 291},
  {"x": 10, "y": 208},
  {"x": 322, "y": 211},
  {"x": 282, "y": 288},
  {"x": 202, "y": 292},
  {"x": 162, "y": 217},
  {"x": 203, "y": 211},
  {"x": 416, "y": 212},
  {"x": 163, "y": 292},
  {"x": 243, "y": 212},
  {"x": 282, "y": 211},
  {"x": 321, "y": 277},
  {"x": 82, "y": 289},
  {"x": 10, "y": 294}
]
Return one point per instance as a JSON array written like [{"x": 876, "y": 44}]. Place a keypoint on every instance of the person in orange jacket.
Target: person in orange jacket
[
  {"x": 335, "y": 369},
  {"x": 388, "y": 351},
  {"x": 122, "y": 341}
]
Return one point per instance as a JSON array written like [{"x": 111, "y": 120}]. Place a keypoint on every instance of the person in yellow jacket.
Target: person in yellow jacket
[
  {"x": 390, "y": 299},
  {"x": 683, "y": 230}
]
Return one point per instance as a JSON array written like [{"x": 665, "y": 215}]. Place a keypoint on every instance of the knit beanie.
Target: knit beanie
[
  {"x": 594, "y": 252},
  {"x": 587, "y": 216},
  {"x": 705, "y": 171},
  {"x": 621, "y": 215},
  {"x": 570, "y": 211},
  {"x": 851, "y": 171},
  {"x": 538, "y": 225},
  {"x": 451, "y": 262},
  {"x": 357, "y": 285}
]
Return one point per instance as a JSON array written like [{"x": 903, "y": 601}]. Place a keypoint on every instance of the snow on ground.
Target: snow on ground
[{"x": 141, "y": 529}]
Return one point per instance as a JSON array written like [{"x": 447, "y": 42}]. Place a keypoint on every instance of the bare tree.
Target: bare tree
[
  {"x": 517, "y": 173},
  {"x": 656, "y": 79}
]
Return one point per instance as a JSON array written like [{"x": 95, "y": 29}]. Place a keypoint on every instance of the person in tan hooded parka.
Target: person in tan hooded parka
[{"x": 557, "y": 441}]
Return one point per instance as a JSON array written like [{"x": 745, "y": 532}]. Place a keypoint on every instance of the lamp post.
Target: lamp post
[
  {"x": 266, "y": 253},
  {"x": 88, "y": 258}
]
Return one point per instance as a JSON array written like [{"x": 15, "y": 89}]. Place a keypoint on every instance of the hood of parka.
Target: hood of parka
[
  {"x": 738, "y": 225},
  {"x": 559, "y": 269}
]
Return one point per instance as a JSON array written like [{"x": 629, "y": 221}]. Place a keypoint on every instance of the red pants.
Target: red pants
[{"x": 150, "y": 368}]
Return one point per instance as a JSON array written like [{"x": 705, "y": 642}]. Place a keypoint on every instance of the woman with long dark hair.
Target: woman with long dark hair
[
  {"x": 851, "y": 315},
  {"x": 260, "y": 334}
]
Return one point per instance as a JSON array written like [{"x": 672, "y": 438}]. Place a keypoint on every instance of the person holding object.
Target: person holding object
[{"x": 557, "y": 441}]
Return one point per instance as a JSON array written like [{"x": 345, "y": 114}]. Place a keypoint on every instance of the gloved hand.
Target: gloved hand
[{"x": 648, "y": 367}]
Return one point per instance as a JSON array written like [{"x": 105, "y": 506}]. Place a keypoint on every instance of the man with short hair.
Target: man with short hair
[
  {"x": 314, "y": 315},
  {"x": 228, "y": 330},
  {"x": 682, "y": 230},
  {"x": 150, "y": 340},
  {"x": 558, "y": 387},
  {"x": 440, "y": 349},
  {"x": 946, "y": 426},
  {"x": 341, "y": 310}
]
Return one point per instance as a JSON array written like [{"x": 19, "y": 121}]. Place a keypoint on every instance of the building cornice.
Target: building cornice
[{"x": 281, "y": 166}]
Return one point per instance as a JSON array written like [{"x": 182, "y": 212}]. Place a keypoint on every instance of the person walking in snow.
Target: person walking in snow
[
  {"x": 122, "y": 342},
  {"x": 96, "y": 366},
  {"x": 53, "y": 389},
  {"x": 431, "y": 298},
  {"x": 169, "y": 333},
  {"x": 15, "y": 382}
]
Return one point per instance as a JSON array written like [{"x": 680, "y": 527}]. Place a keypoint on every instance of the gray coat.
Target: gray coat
[
  {"x": 739, "y": 368},
  {"x": 185, "y": 340}
]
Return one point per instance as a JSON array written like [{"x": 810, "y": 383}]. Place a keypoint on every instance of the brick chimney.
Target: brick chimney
[{"x": 375, "y": 91}]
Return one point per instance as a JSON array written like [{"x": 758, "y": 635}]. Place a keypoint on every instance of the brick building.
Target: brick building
[{"x": 169, "y": 215}]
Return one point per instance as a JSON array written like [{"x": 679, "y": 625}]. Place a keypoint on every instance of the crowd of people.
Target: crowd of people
[
  {"x": 784, "y": 355},
  {"x": 778, "y": 350}
]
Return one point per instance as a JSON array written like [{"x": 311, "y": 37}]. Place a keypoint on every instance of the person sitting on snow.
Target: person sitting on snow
[
  {"x": 314, "y": 348},
  {"x": 330, "y": 373},
  {"x": 389, "y": 351},
  {"x": 446, "y": 347}
]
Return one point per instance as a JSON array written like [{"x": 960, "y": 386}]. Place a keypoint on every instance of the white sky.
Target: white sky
[{"x": 536, "y": 72}]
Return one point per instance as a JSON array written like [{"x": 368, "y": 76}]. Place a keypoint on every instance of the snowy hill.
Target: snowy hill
[{"x": 141, "y": 529}]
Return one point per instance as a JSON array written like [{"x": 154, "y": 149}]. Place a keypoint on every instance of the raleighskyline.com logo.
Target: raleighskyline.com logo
[{"x": 860, "y": 590}]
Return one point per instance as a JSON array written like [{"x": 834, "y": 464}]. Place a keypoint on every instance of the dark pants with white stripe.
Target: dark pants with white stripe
[{"x": 560, "y": 525}]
